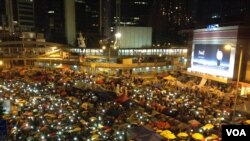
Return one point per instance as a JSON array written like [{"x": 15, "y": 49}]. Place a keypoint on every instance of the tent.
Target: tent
[{"x": 142, "y": 133}]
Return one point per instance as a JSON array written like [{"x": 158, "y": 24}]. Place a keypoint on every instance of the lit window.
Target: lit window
[
  {"x": 51, "y": 12},
  {"x": 136, "y": 18},
  {"x": 140, "y": 3}
]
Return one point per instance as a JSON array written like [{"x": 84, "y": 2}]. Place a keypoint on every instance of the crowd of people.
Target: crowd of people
[{"x": 69, "y": 105}]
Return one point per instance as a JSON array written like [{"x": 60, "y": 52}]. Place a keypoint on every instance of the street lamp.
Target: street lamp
[
  {"x": 237, "y": 83},
  {"x": 228, "y": 47},
  {"x": 114, "y": 45}
]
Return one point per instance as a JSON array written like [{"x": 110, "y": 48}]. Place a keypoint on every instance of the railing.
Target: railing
[{"x": 114, "y": 65}]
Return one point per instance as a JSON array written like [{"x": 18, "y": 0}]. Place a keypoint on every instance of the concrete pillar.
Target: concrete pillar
[{"x": 70, "y": 24}]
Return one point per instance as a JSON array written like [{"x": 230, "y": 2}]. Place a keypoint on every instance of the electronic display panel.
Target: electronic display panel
[{"x": 213, "y": 59}]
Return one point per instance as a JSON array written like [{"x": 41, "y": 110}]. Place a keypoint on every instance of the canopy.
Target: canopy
[{"x": 141, "y": 133}]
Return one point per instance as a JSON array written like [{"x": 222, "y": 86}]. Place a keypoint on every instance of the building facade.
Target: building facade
[
  {"x": 224, "y": 12},
  {"x": 50, "y": 19},
  {"x": 25, "y": 15}
]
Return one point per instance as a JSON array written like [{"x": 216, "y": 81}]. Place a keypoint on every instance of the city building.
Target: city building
[
  {"x": 220, "y": 54},
  {"x": 223, "y": 12},
  {"x": 3, "y": 17},
  {"x": 50, "y": 19},
  {"x": 23, "y": 15},
  {"x": 168, "y": 18},
  {"x": 87, "y": 16}
]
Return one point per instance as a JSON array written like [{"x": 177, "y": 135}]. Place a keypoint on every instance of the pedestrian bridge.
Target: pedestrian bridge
[{"x": 29, "y": 44}]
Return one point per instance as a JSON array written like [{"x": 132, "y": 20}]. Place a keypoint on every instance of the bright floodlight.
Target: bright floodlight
[
  {"x": 228, "y": 47},
  {"x": 118, "y": 35}
]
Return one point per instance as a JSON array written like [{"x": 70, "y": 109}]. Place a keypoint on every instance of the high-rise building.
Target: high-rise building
[
  {"x": 87, "y": 16},
  {"x": 123, "y": 13},
  {"x": 169, "y": 17},
  {"x": 25, "y": 15},
  {"x": 166, "y": 18},
  {"x": 223, "y": 12},
  {"x": 6, "y": 15},
  {"x": 17, "y": 15},
  {"x": 3, "y": 18},
  {"x": 50, "y": 19}
]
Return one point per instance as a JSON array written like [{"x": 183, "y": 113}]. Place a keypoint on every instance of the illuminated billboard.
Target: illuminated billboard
[{"x": 213, "y": 59}]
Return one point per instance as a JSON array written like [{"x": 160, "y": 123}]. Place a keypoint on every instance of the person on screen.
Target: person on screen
[{"x": 219, "y": 56}]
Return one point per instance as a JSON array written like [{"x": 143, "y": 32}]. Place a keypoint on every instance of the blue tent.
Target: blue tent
[{"x": 142, "y": 133}]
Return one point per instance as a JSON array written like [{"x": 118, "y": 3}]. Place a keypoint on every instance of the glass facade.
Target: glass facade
[{"x": 134, "y": 52}]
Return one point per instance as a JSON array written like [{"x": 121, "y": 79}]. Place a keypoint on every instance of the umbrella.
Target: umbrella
[
  {"x": 158, "y": 131},
  {"x": 182, "y": 134},
  {"x": 208, "y": 126},
  {"x": 94, "y": 137},
  {"x": 162, "y": 125},
  {"x": 142, "y": 133},
  {"x": 28, "y": 114},
  {"x": 169, "y": 136},
  {"x": 83, "y": 122},
  {"x": 92, "y": 118},
  {"x": 179, "y": 100},
  {"x": 197, "y": 136},
  {"x": 212, "y": 137},
  {"x": 77, "y": 129},
  {"x": 50, "y": 115},
  {"x": 200, "y": 109},
  {"x": 121, "y": 99},
  {"x": 247, "y": 122},
  {"x": 170, "y": 77},
  {"x": 166, "y": 132},
  {"x": 100, "y": 81},
  {"x": 44, "y": 128},
  {"x": 194, "y": 123},
  {"x": 85, "y": 105}
]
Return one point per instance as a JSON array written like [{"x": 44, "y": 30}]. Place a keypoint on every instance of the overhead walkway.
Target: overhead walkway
[{"x": 31, "y": 43}]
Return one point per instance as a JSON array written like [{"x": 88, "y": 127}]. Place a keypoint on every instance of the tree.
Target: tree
[{"x": 1, "y": 110}]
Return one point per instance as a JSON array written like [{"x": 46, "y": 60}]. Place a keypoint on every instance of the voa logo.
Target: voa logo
[{"x": 236, "y": 132}]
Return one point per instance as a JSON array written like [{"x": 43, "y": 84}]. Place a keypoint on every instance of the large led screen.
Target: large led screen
[{"x": 213, "y": 59}]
